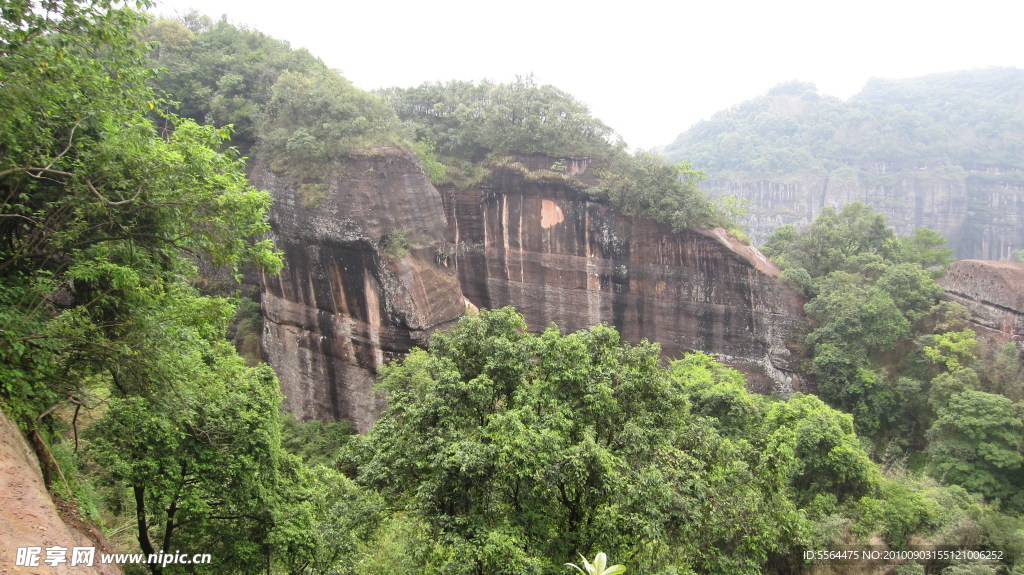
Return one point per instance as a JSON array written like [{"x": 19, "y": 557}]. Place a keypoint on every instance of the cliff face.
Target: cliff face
[
  {"x": 556, "y": 257},
  {"x": 980, "y": 210},
  {"x": 343, "y": 305},
  {"x": 993, "y": 291}
]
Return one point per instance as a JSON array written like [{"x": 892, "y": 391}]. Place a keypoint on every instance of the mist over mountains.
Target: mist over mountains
[{"x": 944, "y": 151}]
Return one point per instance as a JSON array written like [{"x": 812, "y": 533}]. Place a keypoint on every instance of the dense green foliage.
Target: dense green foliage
[
  {"x": 976, "y": 441},
  {"x": 313, "y": 121},
  {"x": 220, "y": 74},
  {"x": 516, "y": 452},
  {"x": 961, "y": 118},
  {"x": 464, "y": 128},
  {"x": 471, "y": 120},
  {"x": 103, "y": 222},
  {"x": 882, "y": 346},
  {"x": 103, "y": 217},
  {"x": 304, "y": 117},
  {"x": 521, "y": 450},
  {"x": 642, "y": 184}
]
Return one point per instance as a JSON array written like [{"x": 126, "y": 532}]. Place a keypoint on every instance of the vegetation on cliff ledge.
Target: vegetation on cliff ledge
[
  {"x": 466, "y": 126},
  {"x": 303, "y": 119}
]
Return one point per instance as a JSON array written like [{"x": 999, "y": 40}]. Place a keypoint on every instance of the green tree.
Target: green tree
[
  {"x": 220, "y": 74},
  {"x": 202, "y": 458},
  {"x": 832, "y": 240},
  {"x": 925, "y": 248},
  {"x": 976, "y": 442},
  {"x": 314, "y": 120},
  {"x": 854, "y": 313},
  {"x": 872, "y": 297},
  {"x": 521, "y": 450},
  {"x": 101, "y": 213},
  {"x": 911, "y": 288},
  {"x": 642, "y": 184},
  {"x": 954, "y": 350},
  {"x": 103, "y": 223},
  {"x": 470, "y": 121},
  {"x": 829, "y": 461}
]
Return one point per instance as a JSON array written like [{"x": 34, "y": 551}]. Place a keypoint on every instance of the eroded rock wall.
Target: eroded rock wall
[
  {"x": 343, "y": 305},
  {"x": 557, "y": 257},
  {"x": 979, "y": 209},
  {"x": 993, "y": 291}
]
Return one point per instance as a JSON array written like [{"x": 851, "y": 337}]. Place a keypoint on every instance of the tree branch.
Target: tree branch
[{"x": 37, "y": 172}]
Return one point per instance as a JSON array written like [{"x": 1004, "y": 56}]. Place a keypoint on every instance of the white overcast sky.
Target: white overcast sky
[{"x": 648, "y": 69}]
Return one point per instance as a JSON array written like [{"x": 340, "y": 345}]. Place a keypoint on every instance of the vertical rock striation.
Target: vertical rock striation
[
  {"x": 544, "y": 248},
  {"x": 343, "y": 305},
  {"x": 374, "y": 265},
  {"x": 979, "y": 209}
]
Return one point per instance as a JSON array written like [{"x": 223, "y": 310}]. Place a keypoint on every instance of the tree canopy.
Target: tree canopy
[
  {"x": 104, "y": 222},
  {"x": 471, "y": 120},
  {"x": 522, "y": 450},
  {"x": 883, "y": 347},
  {"x": 221, "y": 74}
]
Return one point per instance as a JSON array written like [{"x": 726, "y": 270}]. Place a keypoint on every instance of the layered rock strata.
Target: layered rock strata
[{"x": 376, "y": 261}]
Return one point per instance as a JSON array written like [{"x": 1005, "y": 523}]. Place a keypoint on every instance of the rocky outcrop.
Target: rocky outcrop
[
  {"x": 377, "y": 260},
  {"x": 979, "y": 209},
  {"x": 993, "y": 291},
  {"x": 344, "y": 305},
  {"x": 29, "y": 517},
  {"x": 539, "y": 245}
]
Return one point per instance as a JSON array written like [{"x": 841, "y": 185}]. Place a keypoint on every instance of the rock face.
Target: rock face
[
  {"x": 979, "y": 209},
  {"x": 544, "y": 248},
  {"x": 378, "y": 261},
  {"x": 993, "y": 291},
  {"x": 344, "y": 305},
  {"x": 29, "y": 517}
]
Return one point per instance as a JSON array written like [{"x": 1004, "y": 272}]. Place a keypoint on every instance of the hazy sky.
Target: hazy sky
[{"x": 649, "y": 69}]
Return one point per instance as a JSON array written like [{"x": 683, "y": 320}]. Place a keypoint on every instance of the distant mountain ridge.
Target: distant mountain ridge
[{"x": 944, "y": 151}]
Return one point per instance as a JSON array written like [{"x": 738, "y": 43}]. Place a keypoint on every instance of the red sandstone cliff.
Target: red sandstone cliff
[
  {"x": 557, "y": 257},
  {"x": 29, "y": 516},
  {"x": 342, "y": 306}
]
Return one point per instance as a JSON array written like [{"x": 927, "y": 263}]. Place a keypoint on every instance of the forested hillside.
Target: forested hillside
[
  {"x": 128, "y": 223},
  {"x": 943, "y": 152}
]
